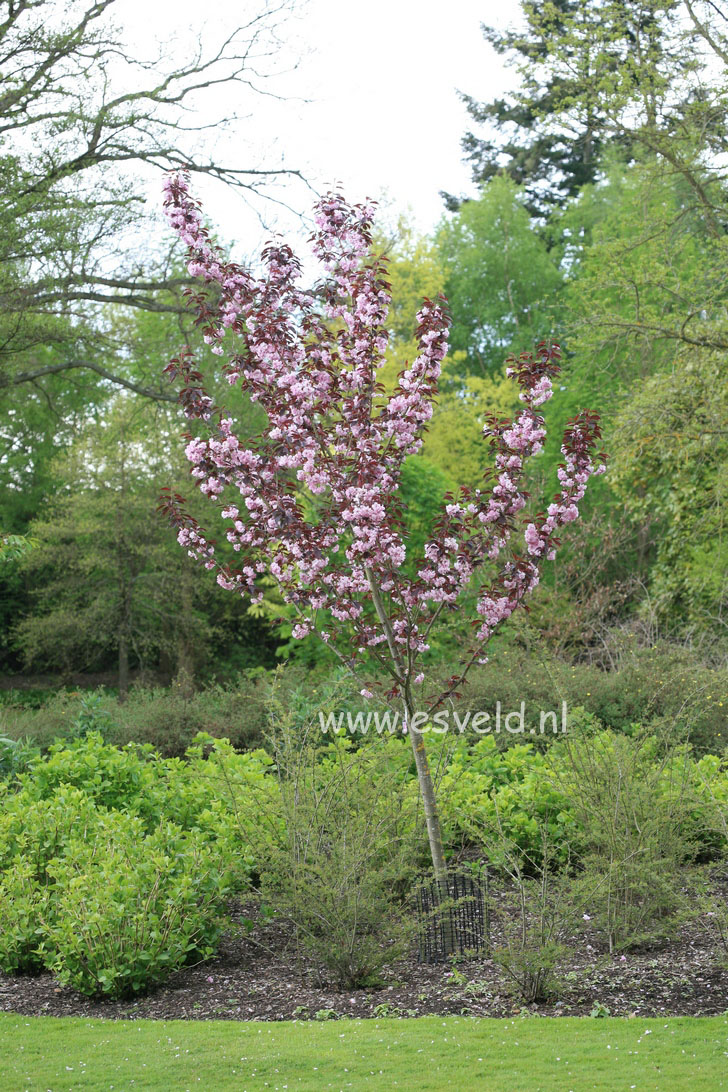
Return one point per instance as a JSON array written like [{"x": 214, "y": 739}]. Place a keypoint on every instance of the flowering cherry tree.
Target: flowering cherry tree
[{"x": 314, "y": 501}]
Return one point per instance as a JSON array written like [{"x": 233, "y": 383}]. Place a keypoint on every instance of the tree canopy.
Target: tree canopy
[{"x": 82, "y": 118}]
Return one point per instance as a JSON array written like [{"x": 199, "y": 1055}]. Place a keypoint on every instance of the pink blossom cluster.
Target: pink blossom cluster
[
  {"x": 314, "y": 501},
  {"x": 573, "y": 475},
  {"x": 480, "y": 526}
]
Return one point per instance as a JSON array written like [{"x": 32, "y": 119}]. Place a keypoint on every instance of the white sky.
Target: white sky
[{"x": 383, "y": 116}]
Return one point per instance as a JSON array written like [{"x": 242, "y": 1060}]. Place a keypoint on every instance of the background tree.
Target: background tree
[
  {"x": 499, "y": 278},
  {"x": 99, "y": 580},
  {"x": 646, "y": 305},
  {"x": 103, "y": 583},
  {"x": 551, "y": 161},
  {"x": 416, "y": 269},
  {"x": 80, "y": 117},
  {"x": 633, "y": 75},
  {"x": 641, "y": 249},
  {"x": 671, "y": 467},
  {"x": 85, "y": 121}
]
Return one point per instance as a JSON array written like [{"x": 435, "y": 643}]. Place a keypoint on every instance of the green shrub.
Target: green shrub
[
  {"x": 131, "y": 908},
  {"x": 623, "y": 816},
  {"x": 215, "y": 789},
  {"x": 485, "y": 787},
  {"x": 53, "y": 719},
  {"x": 33, "y": 833},
  {"x": 22, "y": 906},
  {"x": 32, "y": 698},
  {"x": 640, "y": 820},
  {"x": 168, "y": 718},
  {"x": 90, "y": 807},
  {"x": 669, "y": 691},
  {"x": 17, "y": 756},
  {"x": 113, "y": 777},
  {"x": 93, "y": 716},
  {"x": 531, "y": 962},
  {"x": 525, "y": 789},
  {"x": 349, "y": 850},
  {"x": 539, "y": 909},
  {"x": 243, "y": 811}
]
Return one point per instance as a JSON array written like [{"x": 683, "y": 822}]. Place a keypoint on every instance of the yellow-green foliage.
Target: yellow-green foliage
[
  {"x": 516, "y": 796},
  {"x": 455, "y": 441},
  {"x": 115, "y": 863}
]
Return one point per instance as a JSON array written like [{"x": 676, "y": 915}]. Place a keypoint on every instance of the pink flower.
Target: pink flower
[{"x": 311, "y": 367}]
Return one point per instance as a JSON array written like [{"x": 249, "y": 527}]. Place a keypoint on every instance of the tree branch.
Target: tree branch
[{"x": 54, "y": 369}]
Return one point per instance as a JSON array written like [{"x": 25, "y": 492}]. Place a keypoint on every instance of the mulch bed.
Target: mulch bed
[{"x": 257, "y": 976}]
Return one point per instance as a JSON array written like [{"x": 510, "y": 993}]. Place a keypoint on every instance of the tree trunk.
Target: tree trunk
[
  {"x": 429, "y": 800},
  {"x": 434, "y": 830},
  {"x": 424, "y": 777}
]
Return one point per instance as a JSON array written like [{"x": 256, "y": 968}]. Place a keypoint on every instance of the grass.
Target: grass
[{"x": 528, "y": 1054}]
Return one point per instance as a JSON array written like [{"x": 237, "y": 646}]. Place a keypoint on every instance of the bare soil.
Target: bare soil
[{"x": 257, "y": 975}]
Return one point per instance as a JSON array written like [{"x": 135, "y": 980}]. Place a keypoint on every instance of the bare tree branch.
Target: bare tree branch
[
  {"x": 86, "y": 114},
  {"x": 19, "y": 378}
]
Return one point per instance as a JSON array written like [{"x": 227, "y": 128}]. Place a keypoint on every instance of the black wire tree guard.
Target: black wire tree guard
[{"x": 458, "y": 924}]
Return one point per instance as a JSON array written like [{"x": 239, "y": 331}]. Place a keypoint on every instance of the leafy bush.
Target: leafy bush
[
  {"x": 131, "y": 908},
  {"x": 243, "y": 812},
  {"x": 32, "y": 698},
  {"x": 333, "y": 840},
  {"x": 195, "y": 793},
  {"x": 89, "y": 808},
  {"x": 93, "y": 716},
  {"x": 622, "y": 816},
  {"x": 539, "y": 910},
  {"x": 525, "y": 789},
  {"x": 51, "y": 719},
  {"x": 670, "y": 692},
  {"x": 17, "y": 756},
  {"x": 530, "y": 959},
  {"x": 168, "y": 718},
  {"x": 32, "y": 834},
  {"x": 111, "y": 776},
  {"x": 640, "y": 823},
  {"x": 350, "y": 847},
  {"x": 22, "y": 936},
  {"x": 35, "y": 831},
  {"x": 485, "y": 788}
]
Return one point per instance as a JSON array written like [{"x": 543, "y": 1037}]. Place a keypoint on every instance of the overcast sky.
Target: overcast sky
[{"x": 380, "y": 78}]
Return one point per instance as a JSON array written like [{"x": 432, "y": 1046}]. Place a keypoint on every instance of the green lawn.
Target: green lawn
[{"x": 518, "y": 1055}]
